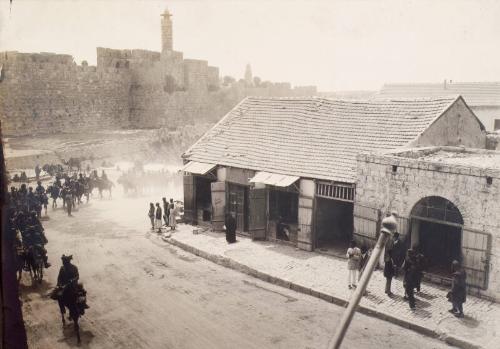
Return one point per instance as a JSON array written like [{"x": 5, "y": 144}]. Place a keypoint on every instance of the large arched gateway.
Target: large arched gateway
[{"x": 436, "y": 228}]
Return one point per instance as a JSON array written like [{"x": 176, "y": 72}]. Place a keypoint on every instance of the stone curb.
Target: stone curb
[{"x": 232, "y": 264}]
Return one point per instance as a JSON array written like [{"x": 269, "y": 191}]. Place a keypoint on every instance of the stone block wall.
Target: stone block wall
[
  {"x": 48, "y": 93},
  {"x": 382, "y": 187},
  {"x": 195, "y": 74},
  {"x": 457, "y": 126}
]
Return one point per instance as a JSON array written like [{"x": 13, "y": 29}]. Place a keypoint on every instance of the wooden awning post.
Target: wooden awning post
[{"x": 389, "y": 226}]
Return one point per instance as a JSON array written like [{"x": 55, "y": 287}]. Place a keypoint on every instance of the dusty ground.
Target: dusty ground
[{"x": 144, "y": 293}]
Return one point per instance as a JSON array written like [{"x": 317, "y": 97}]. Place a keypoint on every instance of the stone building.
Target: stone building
[
  {"x": 448, "y": 199},
  {"x": 50, "y": 93},
  {"x": 291, "y": 162},
  {"x": 482, "y": 97},
  {"x": 318, "y": 172}
]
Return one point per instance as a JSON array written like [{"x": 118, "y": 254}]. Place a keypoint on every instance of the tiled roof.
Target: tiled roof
[
  {"x": 474, "y": 93},
  {"x": 312, "y": 137}
]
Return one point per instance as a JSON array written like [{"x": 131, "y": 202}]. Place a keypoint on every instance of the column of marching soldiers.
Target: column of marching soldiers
[{"x": 26, "y": 206}]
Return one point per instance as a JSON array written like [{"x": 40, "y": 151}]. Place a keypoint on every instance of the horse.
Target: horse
[
  {"x": 67, "y": 297},
  {"x": 104, "y": 184},
  {"x": 74, "y": 163},
  {"x": 34, "y": 262}
]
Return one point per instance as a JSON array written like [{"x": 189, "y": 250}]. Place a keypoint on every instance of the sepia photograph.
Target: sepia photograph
[{"x": 250, "y": 174}]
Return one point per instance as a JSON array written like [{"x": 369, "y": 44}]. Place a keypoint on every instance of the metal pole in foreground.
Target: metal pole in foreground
[{"x": 389, "y": 226}]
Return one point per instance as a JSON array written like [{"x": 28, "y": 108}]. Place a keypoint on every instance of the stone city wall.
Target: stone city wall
[
  {"x": 50, "y": 93},
  {"x": 383, "y": 187}
]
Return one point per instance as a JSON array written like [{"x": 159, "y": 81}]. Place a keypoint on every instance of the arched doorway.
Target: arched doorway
[{"x": 436, "y": 229}]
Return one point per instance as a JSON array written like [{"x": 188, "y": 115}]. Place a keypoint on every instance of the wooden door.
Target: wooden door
[
  {"x": 305, "y": 221},
  {"x": 257, "y": 211},
  {"x": 366, "y": 224},
  {"x": 476, "y": 246},
  {"x": 190, "y": 215},
  {"x": 218, "y": 205}
]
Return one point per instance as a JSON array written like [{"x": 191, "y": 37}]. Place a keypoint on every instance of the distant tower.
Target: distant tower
[
  {"x": 248, "y": 74},
  {"x": 166, "y": 31}
]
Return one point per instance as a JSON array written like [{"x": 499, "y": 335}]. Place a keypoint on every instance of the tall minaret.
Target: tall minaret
[{"x": 166, "y": 31}]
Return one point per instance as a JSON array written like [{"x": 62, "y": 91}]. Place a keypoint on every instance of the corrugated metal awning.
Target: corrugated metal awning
[
  {"x": 275, "y": 179},
  {"x": 198, "y": 167}
]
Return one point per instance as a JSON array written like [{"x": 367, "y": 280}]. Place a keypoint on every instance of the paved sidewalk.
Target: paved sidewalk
[{"x": 326, "y": 277}]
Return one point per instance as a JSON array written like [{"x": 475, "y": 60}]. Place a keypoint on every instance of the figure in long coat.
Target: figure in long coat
[
  {"x": 230, "y": 224},
  {"x": 172, "y": 220},
  {"x": 458, "y": 289}
]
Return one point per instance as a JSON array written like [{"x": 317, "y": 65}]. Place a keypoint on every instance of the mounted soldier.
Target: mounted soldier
[
  {"x": 34, "y": 237},
  {"x": 39, "y": 188},
  {"x": 70, "y": 294},
  {"x": 68, "y": 273},
  {"x": 54, "y": 191}
]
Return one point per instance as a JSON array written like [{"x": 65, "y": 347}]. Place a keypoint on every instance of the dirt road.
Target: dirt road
[{"x": 144, "y": 293}]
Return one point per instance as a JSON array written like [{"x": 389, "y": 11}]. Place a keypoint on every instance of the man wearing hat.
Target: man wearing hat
[{"x": 68, "y": 272}]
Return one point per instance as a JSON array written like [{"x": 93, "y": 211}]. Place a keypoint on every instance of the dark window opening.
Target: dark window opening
[
  {"x": 283, "y": 204},
  {"x": 394, "y": 168},
  {"x": 334, "y": 221},
  {"x": 489, "y": 180},
  {"x": 497, "y": 125}
]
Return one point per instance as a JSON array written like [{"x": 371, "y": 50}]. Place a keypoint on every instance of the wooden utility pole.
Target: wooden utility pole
[{"x": 389, "y": 227}]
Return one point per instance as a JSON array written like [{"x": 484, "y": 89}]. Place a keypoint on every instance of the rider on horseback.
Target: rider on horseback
[
  {"x": 68, "y": 276},
  {"x": 40, "y": 189},
  {"x": 70, "y": 294},
  {"x": 68, "y": 272},
  {"x": 34, "y": 237},
  {"x": 104, "y": 176}
]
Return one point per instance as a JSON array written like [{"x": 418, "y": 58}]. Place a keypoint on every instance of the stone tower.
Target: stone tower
[
  {"x": 166, "y": 31},
  {"x": 248, "y": 74}
]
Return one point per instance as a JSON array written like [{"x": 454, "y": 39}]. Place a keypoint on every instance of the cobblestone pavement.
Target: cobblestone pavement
[
  {"x": 328, "y": 275},
  {"x": 145, "y": 293}
]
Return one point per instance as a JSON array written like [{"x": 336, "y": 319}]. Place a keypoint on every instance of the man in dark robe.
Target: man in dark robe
[
  {"x": 410, "y": 277},
  {"x": 230, "y": 224},
  {"x": 458, "y": 289}
]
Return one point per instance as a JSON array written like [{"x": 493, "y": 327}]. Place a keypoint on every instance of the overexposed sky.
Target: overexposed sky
[{"x": 336, "y": 45}]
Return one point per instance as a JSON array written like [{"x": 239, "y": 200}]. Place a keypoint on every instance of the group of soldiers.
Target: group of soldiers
[{"x": 25, "y": 224}]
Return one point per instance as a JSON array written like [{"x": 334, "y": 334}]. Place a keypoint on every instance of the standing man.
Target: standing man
[
  {"x": 421, "y": 265},
  {"x": 392, "y": 261},
  {"x": 158, "y": 217},
  {"x": 172, "y": 220},
  {"x": 38, "y": 170},
  {"x": 410, "y": 277},
  {"x": 165, "y": 211},
  {"x": 151, "y": 215},
  {"x": 389, "y": 273},
  {"x": 230, "y": 224},
  {"x": 458, "y": 289}
]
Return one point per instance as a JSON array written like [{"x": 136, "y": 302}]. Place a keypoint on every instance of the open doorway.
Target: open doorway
[
  {"x": 238, "y": 206},
  {"x": 203, "y": 200},
  {"x": 437, "y": 233},
  {"x": 333, "y": 225},
  {"x": 283, "y": 214}
]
